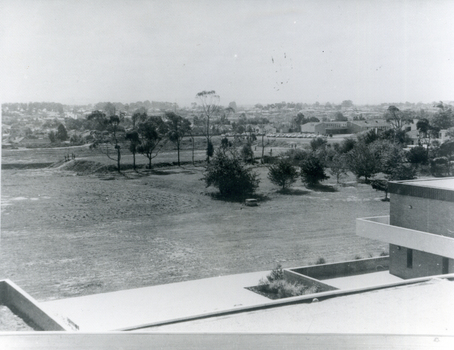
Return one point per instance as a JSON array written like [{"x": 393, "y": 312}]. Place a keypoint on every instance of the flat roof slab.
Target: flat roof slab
[
  {"x": 424, "y": 308},
  {"x": 135, "y": 307},
  {"x": 363, "y": 281}
]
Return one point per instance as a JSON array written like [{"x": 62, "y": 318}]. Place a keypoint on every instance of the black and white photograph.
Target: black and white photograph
[{"x": 219, "y": 174}]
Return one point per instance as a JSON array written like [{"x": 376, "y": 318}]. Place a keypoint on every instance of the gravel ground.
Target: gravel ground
[{"x": 67, "y": 235}]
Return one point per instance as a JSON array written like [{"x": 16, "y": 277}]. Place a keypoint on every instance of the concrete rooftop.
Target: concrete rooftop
[{"x": 424, "y": 308}]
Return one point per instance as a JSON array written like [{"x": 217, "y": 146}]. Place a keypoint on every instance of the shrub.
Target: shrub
[
  {"x": 247, "y": 153},
  {"x": 227, "y": 173},
  {"x": 313, "y": 170},
  {"x": 418, "y": 155},
  {"x": 320, "y": 261},
  {"x": 276, "y": 274},
  {"x": 276, "y": 287},
  {"x": 283, "y": 173},
  {"x": 295, "y": 156}
]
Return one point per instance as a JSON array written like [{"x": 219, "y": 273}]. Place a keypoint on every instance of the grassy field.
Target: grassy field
[{"x": 66, "y": 235}]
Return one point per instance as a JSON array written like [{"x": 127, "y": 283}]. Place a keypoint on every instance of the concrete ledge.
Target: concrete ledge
[
  {"x": 292, "y": 276},
  {"x": 343, "y": 269},
  {"x": 27, "y": 308},
  {"x": 378, "y": 228}
]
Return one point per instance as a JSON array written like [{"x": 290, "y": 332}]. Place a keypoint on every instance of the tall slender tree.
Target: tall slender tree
[
  {"x": 178, "y": 127},
  {"x": 210, "y": 107}
]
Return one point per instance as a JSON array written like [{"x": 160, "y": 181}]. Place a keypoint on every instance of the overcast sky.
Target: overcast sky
[{"x": 78, "y": 52}]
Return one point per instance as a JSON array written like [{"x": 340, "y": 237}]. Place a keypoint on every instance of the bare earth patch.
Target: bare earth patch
[{"x": 66, "y": 235}]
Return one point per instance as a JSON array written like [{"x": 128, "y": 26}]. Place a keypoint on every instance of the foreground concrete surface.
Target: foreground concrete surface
[
  {"x": 135, "y": 341},
  {"x": 423, "y": 308},
  {"x": 135, "y": 307}
]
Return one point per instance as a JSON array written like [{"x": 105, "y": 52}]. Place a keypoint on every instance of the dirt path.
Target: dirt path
[{"x": 65, "y": 235}]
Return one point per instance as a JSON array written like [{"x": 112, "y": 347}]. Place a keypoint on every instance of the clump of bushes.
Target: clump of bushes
[
  {"x": 276, "y": 287},
  {"x": 320, "y": 261}
]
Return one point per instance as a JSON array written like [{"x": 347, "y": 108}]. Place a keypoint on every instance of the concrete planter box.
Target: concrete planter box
[{"x": 314, "y": 274}]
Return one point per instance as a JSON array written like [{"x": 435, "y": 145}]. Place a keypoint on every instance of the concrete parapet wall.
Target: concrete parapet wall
[
  {"x": 26, "y": 307},
  {"x": 342, "y": 269},
  {"x": 293, "y": 277}
]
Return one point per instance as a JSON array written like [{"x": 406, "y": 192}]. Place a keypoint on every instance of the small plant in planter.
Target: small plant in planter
[{"x": 276, "y": 287}]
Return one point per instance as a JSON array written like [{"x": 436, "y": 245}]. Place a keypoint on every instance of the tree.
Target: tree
[
  {"x": 401, "y": 172},
  {"x": 447, "y": 150},
  {"x": 337, "y": 164},
  {"x": 313, "y": 170},
  {"x": 108, "y": 132},
  {"x": 210, "y": 107},
  {"x": 61, "y": 134},
  {"x": 318, "y": 143},
  {"x": 177, "y": 127},
  {"x": 391, "y": 160},
  {"x": 134, "y": 143},
  {"x": 152, "y": 133},
  {"x": 340, "y": 117},
  {"x": 394, "y": 117},
  {"x": 283, "y": 173},
  {"x": 397, "y": 119},
  {"x": 347, "y": 103},
  {"x": 417, "y": 155},
  {"x": 139, "y": 115},
  {"x": 227, "y": 173},
  {"x": 247, "y": 154},
  {"x": 444, "y": 118},
  {"x": 52, "y": 137},
  {"x": 361, "y": 161}
]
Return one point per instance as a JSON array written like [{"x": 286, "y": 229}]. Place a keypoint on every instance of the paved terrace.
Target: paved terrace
[{"x": 132, "y": 308}]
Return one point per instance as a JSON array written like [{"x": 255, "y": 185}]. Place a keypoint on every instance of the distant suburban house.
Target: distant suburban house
[
  {"x": 357, "y": 126},
  {"x": 419, "y": 229},
  {"x": 264, "y": 129}
]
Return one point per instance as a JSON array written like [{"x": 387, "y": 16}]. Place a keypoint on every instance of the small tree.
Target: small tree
[
  {"x": 400, "y": 172},
  {"x": 247, "y": 154},
  {"x": 61, "y": 134},
  {"x": 152, "y": 137},
  {"x": 227, "y": 173},
  {"x": 283, "y": 173},
  {"x": 177, "y": 127},
  {"x": 134, "y": 142},
  {"x": 52, "y": 137},
  {"x": 209, "y": 151},
  {"x": 108, "y": 132},
  {"x": 313, "y": 170},
  {"x": 337, "y": 164}
]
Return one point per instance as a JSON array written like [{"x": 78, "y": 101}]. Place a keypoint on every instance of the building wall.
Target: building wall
[
  {"x": 422, "y": 214},
  {"x": 424, "y": 264},
  {"x": 308, "y": 127}
]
